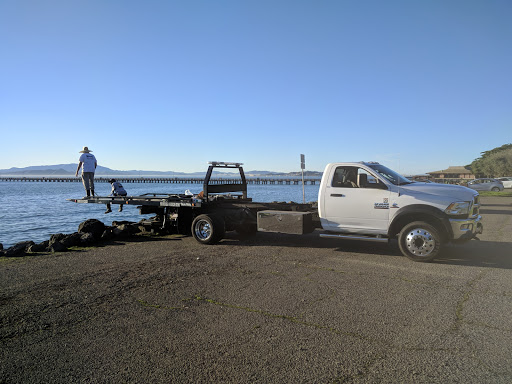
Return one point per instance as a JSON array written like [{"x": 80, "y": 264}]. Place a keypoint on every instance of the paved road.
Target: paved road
[{"x": 280, "y": 309}]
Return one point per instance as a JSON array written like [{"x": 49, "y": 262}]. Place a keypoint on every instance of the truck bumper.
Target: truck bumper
[{"x": 466, "y": 229}]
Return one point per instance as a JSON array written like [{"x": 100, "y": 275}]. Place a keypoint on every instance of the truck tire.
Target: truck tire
[
  {"x": 208, "y": 229},
  {"x": 419, "y": 241}
]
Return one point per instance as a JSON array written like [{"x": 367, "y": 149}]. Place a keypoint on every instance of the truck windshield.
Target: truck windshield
[{"x": 389, "y": 175}]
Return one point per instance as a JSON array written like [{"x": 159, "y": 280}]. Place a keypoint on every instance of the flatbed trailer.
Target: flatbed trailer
[{"x": 208, "y": 215}]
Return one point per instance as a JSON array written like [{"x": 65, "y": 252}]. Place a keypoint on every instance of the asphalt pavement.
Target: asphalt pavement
[{"x": 265, "y": 309}]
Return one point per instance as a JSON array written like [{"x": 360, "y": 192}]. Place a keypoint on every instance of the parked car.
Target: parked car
[
  {"x": 507, "y": 181},
  {"x": 486, "y": 185},
  {"x": 424, "y": 181}
]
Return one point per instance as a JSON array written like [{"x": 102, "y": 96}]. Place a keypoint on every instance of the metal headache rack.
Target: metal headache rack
[{"x": 211, "y": 189}]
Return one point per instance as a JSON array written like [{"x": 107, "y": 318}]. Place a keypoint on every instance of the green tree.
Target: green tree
[{"x": 494, "y": 163}]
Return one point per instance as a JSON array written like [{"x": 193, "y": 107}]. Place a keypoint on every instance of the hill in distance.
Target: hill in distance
[{"x": 70, "y": 169}]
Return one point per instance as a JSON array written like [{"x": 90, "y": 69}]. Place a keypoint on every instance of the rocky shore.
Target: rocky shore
[{"x": 90, "y": 232}]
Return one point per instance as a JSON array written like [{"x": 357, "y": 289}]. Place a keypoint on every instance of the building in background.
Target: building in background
[{"x": 454, "y": 174}]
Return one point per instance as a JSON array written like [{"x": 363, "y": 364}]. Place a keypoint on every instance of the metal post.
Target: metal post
[{"x": 302, "y": 166}]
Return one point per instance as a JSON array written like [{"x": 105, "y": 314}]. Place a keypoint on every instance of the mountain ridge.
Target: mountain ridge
[{"x": 70, "y": 169}]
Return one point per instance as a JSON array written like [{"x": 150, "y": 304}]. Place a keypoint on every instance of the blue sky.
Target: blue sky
[{"x": 170, "y": 85}]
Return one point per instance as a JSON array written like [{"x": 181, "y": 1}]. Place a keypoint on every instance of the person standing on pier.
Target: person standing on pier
[{"x": 88, "y": 163}]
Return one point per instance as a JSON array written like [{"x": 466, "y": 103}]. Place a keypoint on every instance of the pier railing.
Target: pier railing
[{"x": 163, "y": 180}]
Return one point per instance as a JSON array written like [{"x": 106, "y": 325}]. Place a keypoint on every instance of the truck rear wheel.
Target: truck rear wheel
[
  {"x": 419, "y": 241},
  {"x": 208, "y": 229}
]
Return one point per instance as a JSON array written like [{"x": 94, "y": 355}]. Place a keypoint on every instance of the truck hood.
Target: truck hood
[{"x": 452, "y": 192}]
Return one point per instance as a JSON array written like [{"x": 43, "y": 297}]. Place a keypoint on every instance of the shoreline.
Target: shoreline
[{"x": 60, "y": 242}]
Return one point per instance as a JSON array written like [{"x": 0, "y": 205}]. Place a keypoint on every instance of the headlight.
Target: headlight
[{"x": 458, "y": 208}]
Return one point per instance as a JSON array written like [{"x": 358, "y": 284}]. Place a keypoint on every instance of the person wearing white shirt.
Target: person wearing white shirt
[{"x": 88, "y": 163}]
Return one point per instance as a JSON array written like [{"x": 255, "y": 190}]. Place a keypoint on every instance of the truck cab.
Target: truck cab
[{"x": 368, "y": 199}]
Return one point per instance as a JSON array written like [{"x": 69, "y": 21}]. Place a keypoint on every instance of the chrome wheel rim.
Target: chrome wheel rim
[
  {"x": 420, "y": 242},
  {"x": 203, "y": 230}
]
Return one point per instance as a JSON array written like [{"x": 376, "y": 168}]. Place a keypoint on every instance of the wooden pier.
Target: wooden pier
[{"x": 162, "y": 180}]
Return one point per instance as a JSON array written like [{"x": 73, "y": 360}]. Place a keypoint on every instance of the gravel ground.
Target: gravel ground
[{"x": 271, "y": 308}]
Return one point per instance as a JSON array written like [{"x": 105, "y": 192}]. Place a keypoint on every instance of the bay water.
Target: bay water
[{"x": 36, "y": 210}]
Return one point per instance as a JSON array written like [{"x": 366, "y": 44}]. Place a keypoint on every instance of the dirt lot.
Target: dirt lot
[{"x": 281, "y": 309}]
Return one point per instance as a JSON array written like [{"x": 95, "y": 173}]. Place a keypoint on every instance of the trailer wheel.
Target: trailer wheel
[
  {"x": 208, "y": 229},
  {"x": 419, "y": 241}
]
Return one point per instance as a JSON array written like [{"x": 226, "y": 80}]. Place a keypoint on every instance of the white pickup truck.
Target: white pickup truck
[
  {"x": 362, "y": 201},
  {"x": 368, "y": 201}
]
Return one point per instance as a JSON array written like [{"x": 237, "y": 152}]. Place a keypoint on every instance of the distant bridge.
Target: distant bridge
[{"x": 163, "y": 180}]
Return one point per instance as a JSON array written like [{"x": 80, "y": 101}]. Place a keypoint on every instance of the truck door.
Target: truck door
[{"x": 356, "y": 201}]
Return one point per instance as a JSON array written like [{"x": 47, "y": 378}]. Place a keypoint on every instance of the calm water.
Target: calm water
[{"x": 35, "y": 210}]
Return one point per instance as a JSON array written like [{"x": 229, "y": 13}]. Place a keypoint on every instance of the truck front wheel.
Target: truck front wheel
[
  {"x": 419, "y": 241},
  {"x": 208, "y": 229}
]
